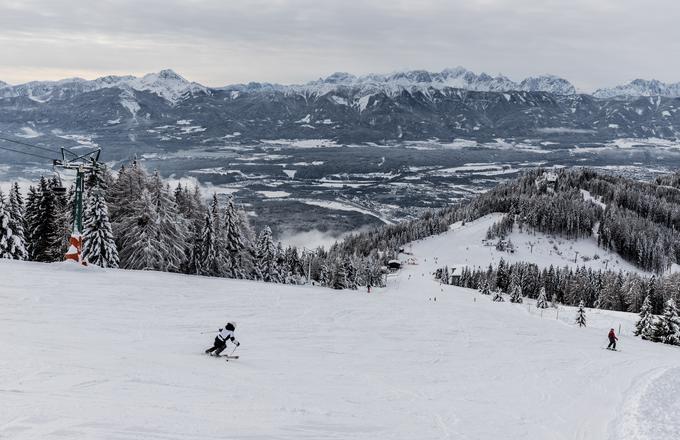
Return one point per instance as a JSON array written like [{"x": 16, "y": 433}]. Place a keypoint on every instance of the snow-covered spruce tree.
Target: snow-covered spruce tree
[
  {"x": 193, "y": 260},
  {"x": 266, "y": 257},
  {"x": 633, "y": 291},
  {"x": 124, "y": 192},
  {"x": 644, "y": 327},
  {"x": 233, "y": 241},
  {"x": 210, "y": 261},
  {"x": 502, "y": 276},
  {"x": 46, "y": 226},
  {"x": 485, "y": 290},
  {"x": 280, "y": 262},
  {"x": 581, "y": 315},
  {"x": 498, "y": 296},
  {"x": 17, "y": 247},
  {"x": 324, "y": 275},
  {"x": 141, "y": 248},
  {"x": 542, "y": 301},
  {"x": 172, "y": 228},
  {"x": 667, "y": 326},
  {"x": 515, "y": 294},
  {"x": 5, "y": 229},
  {"x": 12, "y": 241},
  {"x": 338, "y": 279},
  {"x": 99, "y": 246},
  {"x": 350, "y": 273}
]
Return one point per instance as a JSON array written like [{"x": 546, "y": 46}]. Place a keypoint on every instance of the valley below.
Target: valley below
[{"x": 319, "y": 189}]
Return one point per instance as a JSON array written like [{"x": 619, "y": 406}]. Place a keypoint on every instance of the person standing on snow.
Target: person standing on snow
[
  {"x": 612, "y": 340},
  {"x": 223, "y": 335}
]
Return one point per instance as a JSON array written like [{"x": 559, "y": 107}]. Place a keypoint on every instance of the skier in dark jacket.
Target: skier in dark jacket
[
  {"x": 612, "y": 340},
  {"x": 223, "y": 335}
]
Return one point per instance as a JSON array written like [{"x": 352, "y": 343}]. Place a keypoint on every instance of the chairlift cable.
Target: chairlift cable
[
  {"x": 27, "y": 153},
  {"x": 29, "y": 145}
]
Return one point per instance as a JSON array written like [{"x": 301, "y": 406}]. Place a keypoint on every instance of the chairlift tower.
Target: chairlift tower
[{"x": 83, "y": 165}]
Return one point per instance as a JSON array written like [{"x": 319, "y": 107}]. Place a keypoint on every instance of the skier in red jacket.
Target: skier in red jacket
[{"x": 612, "y": 340}]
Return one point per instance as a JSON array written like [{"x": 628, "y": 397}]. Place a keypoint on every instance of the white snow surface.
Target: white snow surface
[
  {"x": 112, "y": 354},
  {"x": 532, "y": 247}
]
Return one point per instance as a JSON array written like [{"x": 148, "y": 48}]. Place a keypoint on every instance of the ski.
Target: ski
[{"x": 224, "y": 356}]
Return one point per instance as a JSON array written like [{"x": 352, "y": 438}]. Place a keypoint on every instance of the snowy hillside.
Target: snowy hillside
[
  {"x": 118, "y": 354},
  {"x": 531, "y": 247}
]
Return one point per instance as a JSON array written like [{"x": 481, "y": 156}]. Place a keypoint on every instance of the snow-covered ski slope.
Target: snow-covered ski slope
[
  {"x": 465, "y": 246},
  {"x": 112, "y": 354}
]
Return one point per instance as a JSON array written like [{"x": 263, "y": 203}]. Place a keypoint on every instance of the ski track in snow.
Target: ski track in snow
[
  {"x": 110, "y": 354},
  {"x": 651, "y": 408}
]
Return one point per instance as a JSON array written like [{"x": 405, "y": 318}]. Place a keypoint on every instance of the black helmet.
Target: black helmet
[{"x": 230, "y": 326}]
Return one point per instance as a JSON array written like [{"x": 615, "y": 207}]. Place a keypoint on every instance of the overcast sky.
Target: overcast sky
[{"x": 593, "y": 43}]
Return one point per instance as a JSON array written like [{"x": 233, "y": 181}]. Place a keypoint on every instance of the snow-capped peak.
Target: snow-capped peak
[
  {"x": 641, "y": 87},
  {"x": 548, "y": 83},
  {"x": 3, "y": 84},
  {"x": 167, "y": 84},
  {"x": 394, "y": 83}
]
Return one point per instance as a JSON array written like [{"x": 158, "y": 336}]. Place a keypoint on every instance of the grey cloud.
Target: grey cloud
[{"x": 592, "y": 43}]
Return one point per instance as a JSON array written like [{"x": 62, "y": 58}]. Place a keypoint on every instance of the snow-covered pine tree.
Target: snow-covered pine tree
[
  {"x": 338, "y": 276},
  {"x": 542, "y": 301},
  {"x": 17, "y": 247},
  {"x": 502, "y": 276},
  {"x": 446, "y": 276},
  {"x": 46, "y": 235},
  {"x": 667, "y": 326},
  {"x": 183, "y": 200},
  {"x": 350, "y": 273},
  {"x": 210, "y": 261},
  {"x": 140, "y": 246},
  {"x": 5, "y": 229},
  {"x": 31, "y": 218},
  {"x": 266, "y": 257},
  {"x": 284, "y": 273},
  {"x": 498, "y": 296},
  {"x": 99, "y": 246},
  {"x": 124, "y": 193},
  {"x": 12, "y": 241},
  {"x": 233, "y": 241},
  {"x": 99, "y": 177},
  {"x": 485, "y": 290},
  {"x": 581, "y": 315},
  {"x": 324, "y": 275},
  {"x": 515, "y": 294},
  {"x": 644, "y": 327},
  {"x": 172, "y": 228},
  {"x": 633, "y": 291}
]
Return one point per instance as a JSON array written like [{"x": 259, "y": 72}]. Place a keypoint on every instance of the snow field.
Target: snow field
[
  {"x": 540, "y": 249},
  {"x": 113, "y": 354}
]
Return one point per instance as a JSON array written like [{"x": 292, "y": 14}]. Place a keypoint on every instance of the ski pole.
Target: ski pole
[
  {"x": 205, "y": 333},
  {"x": 232, "y": 351}
]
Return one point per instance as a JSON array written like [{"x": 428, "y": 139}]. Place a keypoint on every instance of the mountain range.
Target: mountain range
[{"x": 163, "y": 111}]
